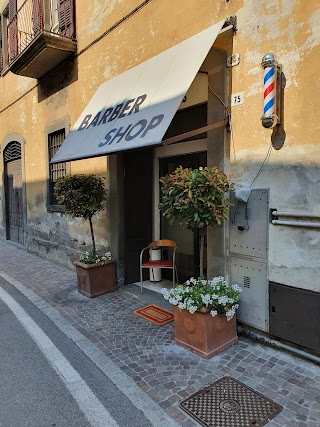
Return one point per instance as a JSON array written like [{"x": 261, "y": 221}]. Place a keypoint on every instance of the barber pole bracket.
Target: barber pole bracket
[{"x": 271, "y": 92}]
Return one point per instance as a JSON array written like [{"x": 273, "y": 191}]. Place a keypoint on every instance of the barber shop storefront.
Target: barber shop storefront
[
  {"x": 142, "y": 89},
  {"x": 150, "y": 120}
]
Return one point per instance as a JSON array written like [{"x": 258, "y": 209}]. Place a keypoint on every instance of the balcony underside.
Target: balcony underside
[{"x": 43, "y": 54}]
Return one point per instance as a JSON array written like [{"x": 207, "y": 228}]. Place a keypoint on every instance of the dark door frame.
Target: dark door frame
[
  {"x": 14, "y": 137},
  {"x": 137, "y": 197}
]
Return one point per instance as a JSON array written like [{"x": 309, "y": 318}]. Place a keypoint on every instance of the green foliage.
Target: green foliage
[
  {"x": 82, "y": 195},
  {"x": 215, "y": 295},
  {"x": 195, "y": 197}
]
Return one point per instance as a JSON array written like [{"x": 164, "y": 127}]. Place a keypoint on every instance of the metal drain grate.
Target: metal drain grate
[{"x": 230, "y": 403}]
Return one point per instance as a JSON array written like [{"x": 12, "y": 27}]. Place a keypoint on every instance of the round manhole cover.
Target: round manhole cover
[{"x": 229, "y": 406}]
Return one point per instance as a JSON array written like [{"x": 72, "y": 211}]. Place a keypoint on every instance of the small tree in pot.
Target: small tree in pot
[
  {"x": 83, "y": 196},
  {"x": 196, "y": 198},
  {"x": 204, "y": 309}
]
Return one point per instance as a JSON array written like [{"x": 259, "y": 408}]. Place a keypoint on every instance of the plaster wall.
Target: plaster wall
[{"x": 289, "y": 29}]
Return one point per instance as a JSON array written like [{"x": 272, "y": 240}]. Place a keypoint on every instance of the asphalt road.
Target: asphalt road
[{"x": 46, "y": 380}]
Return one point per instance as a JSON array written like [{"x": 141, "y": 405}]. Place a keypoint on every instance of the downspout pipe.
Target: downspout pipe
[
  {"x": 296, "y": 214},
  {"x": 296, "y": 223},
  {"x": 277, "y": 344}
]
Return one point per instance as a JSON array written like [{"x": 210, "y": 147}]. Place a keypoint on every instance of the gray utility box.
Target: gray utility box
[
  {"x": 248, "y": 256},
  {"x": 253, "y": 305},
  {"x": 254, "y": 215},
  {"x": 295, "y": 315}
]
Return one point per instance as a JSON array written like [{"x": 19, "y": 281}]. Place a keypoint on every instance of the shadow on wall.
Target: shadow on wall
[
  {"x": 279, "y": 135},
  {"x": 51, "y": 233},
  {"x": 60, "y": 78},
  {"x": 58, "y": 237}
]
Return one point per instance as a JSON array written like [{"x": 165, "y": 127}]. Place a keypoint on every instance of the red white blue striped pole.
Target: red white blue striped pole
[{"x": 269, "y": 118}]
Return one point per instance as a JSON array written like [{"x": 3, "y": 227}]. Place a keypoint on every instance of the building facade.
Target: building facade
[{"x": 55, "y": 55}]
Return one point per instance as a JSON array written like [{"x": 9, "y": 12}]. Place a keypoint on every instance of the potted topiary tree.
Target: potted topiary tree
[
  {"x": 196, "y": 198},
  {"x": 204, "y": 309},
  {"x": 83, "y": 196}
]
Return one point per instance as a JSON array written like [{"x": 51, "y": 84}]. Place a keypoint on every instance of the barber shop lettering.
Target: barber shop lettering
[{"x": 129, "y": 132}]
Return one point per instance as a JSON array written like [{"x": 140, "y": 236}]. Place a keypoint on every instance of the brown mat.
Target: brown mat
[{"x": 155, "y": 314}]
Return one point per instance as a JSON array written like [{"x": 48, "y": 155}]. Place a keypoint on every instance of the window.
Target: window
[
  {"x": 3, "y": 33},
  {"x": 54, "y": 16},
  {"x": 55, "y": 139}
]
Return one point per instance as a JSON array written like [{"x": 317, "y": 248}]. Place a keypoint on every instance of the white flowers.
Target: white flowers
[
  {"x": 192, "y": 309},
  {"x": 91, "y": 258},
  {"x": 206, "y": 299},
  {"x": 215, "y": 294}
]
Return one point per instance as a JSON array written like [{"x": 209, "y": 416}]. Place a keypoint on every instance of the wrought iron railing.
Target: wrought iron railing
[{"x": 35, "y": 17}]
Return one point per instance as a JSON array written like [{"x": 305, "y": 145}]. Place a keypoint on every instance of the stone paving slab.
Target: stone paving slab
[{"x": 148, "y": 354}]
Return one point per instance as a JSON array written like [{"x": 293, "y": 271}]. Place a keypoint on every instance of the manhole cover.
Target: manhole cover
[{"x": 230, "y": 403}]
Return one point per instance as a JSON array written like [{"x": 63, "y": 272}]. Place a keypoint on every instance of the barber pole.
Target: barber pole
[{"x": 270, "y": 66}]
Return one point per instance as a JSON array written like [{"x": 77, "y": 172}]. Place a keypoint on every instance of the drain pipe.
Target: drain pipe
[{"x": 277, "y": 344}]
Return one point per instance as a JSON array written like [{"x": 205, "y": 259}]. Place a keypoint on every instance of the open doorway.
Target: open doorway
[
  {"x": 138, "y": 185},
  {"x": 188, "y": 258}
]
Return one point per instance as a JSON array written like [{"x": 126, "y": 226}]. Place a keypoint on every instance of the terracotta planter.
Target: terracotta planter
[
  {"x": 96, "y": 279},
  {"x": 202, "y": 333}
]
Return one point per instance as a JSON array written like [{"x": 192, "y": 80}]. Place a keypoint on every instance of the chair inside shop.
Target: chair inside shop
[{"x": 166, "y": 252}]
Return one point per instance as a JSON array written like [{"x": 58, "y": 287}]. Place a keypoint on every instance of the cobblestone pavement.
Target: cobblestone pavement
[{"x": 147, "y": 353}]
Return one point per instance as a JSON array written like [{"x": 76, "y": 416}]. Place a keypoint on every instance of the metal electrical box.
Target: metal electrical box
[
  {"x": 295, "y": 315},
  {"x": 254, "y": 218},
  {"x": 249, "y": 224},
  {"x": 251, "y": 276}
]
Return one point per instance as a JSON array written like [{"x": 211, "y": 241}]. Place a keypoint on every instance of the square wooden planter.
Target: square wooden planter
[
  {"x": 203, "y": 334},
  {"x": 96, "y": 279}
]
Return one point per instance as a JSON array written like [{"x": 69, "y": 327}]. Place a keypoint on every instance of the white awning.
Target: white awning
[{"x": 135, "y": 108}]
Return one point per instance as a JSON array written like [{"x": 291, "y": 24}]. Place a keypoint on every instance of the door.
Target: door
[
  {"x": 138, "y": 169},
  {"x": 188, "y": 257},
  {"x": 13, "y": 193}
]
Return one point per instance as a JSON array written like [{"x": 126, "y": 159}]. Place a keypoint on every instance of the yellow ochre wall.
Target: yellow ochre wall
[{"x": 288, "y": 29}]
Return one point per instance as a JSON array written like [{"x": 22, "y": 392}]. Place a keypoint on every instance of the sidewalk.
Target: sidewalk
[{"x": 147, "y": 353}]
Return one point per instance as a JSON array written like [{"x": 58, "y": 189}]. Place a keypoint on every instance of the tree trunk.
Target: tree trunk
[
  {"x": 92, "y": 237},
  {"x": 202, "y": 233}
]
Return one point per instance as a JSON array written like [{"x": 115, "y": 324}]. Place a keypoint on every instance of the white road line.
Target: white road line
[
  {"x": 155, "y": 414},
  {"x": 92, "y": 408}
]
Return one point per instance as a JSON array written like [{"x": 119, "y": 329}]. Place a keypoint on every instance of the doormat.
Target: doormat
[
  {"x": 155, "y": 314},
  {"x": 230, "y": 403}
]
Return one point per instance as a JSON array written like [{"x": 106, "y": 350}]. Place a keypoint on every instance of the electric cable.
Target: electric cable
[
  {"x": 229, "y": 120},
  {"x": 240, "y": 227},
  {"x": 265, "y": 161}
]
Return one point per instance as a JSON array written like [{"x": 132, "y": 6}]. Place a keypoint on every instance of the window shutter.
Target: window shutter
[
  {"x": 37, "y": 20},
  {"x": 12, "y": 9},
  {"x": 13, "y": 30},
  {"x": 66, "y": 22}
]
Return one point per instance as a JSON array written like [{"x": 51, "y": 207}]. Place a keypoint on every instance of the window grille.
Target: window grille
[
  {"x": 12, "y": 152},
  {"x": 55, "y": 139}
]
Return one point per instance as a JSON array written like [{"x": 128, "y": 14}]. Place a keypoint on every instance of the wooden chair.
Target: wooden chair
[{"x": 162, "y": 263}]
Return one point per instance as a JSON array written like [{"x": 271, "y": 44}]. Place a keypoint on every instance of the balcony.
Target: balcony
[{"x": 40, "y": 36}]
